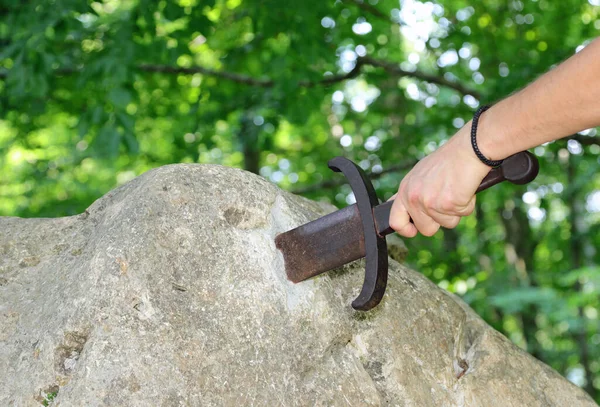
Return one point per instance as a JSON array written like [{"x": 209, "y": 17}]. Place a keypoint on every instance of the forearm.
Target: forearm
[{"x": 560, "y": 103}]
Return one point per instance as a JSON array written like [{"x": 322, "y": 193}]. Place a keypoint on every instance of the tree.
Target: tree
[{"x": 94, "y": 94}]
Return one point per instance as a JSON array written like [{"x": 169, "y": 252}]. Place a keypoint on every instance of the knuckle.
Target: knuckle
[
  {"x": 411, "y": 233},
  {"x": 403, "y": 188},
  {"x": 403, "y": 185},
  {"x": 452, "y": 223},
  {"x": 471, "y": 207},
  {"x": 414, "y": 196},
  {"x": 430, "y": 230},
  {"x": 447, "y": 205},
  {"x": 469, "y": 210},
  {"x": 427, "y": 232},
  {"x": 429, "y": 202}
]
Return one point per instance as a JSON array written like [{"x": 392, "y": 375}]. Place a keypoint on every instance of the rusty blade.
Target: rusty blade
[{"x": 323, "y": 244}]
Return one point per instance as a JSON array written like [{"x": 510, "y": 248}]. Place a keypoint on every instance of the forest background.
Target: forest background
[{"x": 93, "y": 94}]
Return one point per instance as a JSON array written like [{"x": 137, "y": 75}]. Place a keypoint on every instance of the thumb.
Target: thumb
[{"x": 400, "y": 220}]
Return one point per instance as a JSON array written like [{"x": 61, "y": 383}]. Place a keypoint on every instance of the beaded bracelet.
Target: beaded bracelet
[{"x": 486, "y": 161}]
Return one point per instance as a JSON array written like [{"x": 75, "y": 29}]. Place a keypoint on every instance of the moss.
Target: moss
[
  {"x": 49, "y": 398},
  {"x": 48, "y": 395}
]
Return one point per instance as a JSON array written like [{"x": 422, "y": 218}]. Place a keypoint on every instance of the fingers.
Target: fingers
[
  {"x": 407, "y": 222},
  {"x": 445, "y": 220},
  {"x": 424, "y": 223},
  {"x": 426, "y": 218},
  {"x": 400, "y": 220},
  {"x": 439, "y": 190},
  {"x": 449, "y": 216},
  {"x": 468, "y": 209}
]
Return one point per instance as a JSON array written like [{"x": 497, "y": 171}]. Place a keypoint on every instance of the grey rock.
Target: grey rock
[
  {"x": 396, "y": 248},
  {"x": 169, "y": 291}
]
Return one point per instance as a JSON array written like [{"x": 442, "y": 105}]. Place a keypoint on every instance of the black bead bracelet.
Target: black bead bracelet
[{"x": 478, "y": 153}]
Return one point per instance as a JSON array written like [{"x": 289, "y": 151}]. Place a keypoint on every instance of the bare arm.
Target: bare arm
[
  {"x": 440, "y": 189},
  {"x": 560, "y": 103}
]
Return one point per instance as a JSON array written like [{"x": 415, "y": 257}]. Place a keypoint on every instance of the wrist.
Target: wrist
[
  {"x": 478, "y": 153},
  {"x": 496, "y": 132},
  {"x": 464, "y": 145}
]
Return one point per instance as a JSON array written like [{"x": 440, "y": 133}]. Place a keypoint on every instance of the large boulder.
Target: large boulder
[{"x": 169, "y": 291}]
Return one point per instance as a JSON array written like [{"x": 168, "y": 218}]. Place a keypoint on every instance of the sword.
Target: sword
[{"x": 359, "y": 230}]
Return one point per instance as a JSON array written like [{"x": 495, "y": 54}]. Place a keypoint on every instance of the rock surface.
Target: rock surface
[{"x": 169, "y": 291}]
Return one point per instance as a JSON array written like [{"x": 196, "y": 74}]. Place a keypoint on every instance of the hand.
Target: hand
[{"x": 440, "y": 189}]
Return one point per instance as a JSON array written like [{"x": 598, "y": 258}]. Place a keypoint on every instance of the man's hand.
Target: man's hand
[{"x": 440, "y": 189}]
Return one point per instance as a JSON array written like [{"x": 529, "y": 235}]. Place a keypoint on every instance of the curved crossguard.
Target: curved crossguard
[
  {"x": 376, "y": 269},
  {"x": 359, "y": 230}
]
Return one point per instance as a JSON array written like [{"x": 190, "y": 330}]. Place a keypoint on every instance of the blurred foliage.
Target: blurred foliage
[{"x": 93, "y": 94}]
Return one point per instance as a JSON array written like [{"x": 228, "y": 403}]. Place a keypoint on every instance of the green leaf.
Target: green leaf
[
  {"x": 98, "y": 115},
  {"x": 588, "y": 273},
  {"x": 108, "y": 141},
  {"x": 119, "y": 97},
  {"x": 518, "y": 299}
]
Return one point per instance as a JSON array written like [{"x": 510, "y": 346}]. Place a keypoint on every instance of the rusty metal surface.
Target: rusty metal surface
[
  {"x": 376, "y": 262},
  {"x": 323, "y": 244}
]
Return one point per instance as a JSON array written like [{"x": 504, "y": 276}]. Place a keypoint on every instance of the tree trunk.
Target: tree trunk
[
  {"x": 520, "y": 237},
  {"x": 577, "y": 261},
  {"x": 248, "y": 137}
]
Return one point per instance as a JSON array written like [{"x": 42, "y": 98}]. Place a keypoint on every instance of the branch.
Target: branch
[
  {"x": 440, "y": 80},
  {"x": 330, "y": 80},
  {"x": 389, "y": 67},
  {"x": 585, "y": 140},
  {"x": 57, "y": 72},
  {"x": 372, "y": 176},
  {"x": 249, "y": 80},
  {"x": 370, "y": 9},
  {"x": 235, "y": 77}
]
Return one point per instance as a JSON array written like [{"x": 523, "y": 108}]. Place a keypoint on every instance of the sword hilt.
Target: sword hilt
[
  {"x": 376, "y": 266},
  {"x": 520, "y": 168}
]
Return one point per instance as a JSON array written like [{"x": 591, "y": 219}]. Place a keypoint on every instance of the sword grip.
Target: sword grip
[{"x": 519, "y": 169}]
